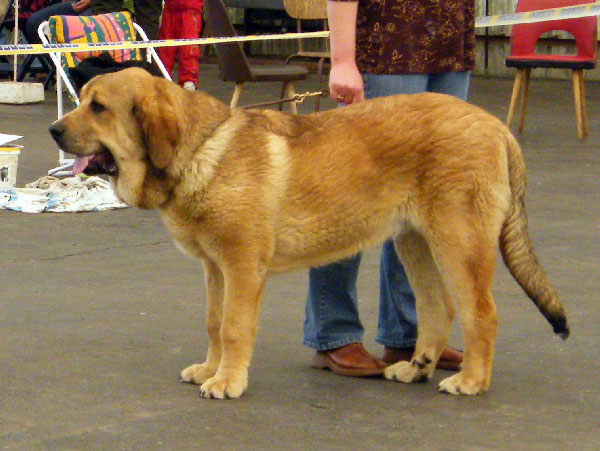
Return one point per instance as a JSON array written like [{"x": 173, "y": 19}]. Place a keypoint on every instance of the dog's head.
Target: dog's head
[{"x": 128, "y": 126}]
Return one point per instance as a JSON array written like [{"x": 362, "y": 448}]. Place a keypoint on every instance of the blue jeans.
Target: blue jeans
[
  {"x": 332, "y": 318},
  {"x": 57, "y": 9}
]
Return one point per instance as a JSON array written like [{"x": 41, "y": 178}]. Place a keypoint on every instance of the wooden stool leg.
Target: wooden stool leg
[
  {"x": 284, "y": 88},
  {"x": 289, "y": 92},
  {"x": 514, "y": 96},
  {"x": 583, "y": 106},
  {"x": 577, "y": 99},
  {"x": 320, "y": 77},
  {"x": 524, "y": 95},
  {"x": 239, "y": 86}
]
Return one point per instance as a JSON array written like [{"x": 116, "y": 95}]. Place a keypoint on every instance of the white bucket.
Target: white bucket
[{"x": 9, "y": 161}]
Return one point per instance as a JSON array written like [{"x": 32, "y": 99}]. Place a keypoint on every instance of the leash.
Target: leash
[{"x": 297, "y": 98}]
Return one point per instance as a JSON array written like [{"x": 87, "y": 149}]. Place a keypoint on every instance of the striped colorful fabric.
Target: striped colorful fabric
[{"x": 110, "y": 27}]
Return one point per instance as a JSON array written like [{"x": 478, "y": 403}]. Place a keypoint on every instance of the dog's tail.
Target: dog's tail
[{"x": 517, "y": 250}]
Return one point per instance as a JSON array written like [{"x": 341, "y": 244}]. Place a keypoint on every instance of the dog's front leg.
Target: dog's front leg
[
  {"x": 242, "y": 288},
  {"x": 201, "y": 372}
]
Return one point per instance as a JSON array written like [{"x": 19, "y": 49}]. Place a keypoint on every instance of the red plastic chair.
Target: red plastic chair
[{"x": 523, "y": 57}]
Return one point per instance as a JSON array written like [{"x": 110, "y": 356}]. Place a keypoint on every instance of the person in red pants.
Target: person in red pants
[{"x": 181, "y": 19}]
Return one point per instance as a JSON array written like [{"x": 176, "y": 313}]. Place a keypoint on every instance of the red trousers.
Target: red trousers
[{"x": 181, "y": 24}]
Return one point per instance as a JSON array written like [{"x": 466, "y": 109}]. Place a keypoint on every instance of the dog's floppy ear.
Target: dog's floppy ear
[{"x": 157, "y": 112}]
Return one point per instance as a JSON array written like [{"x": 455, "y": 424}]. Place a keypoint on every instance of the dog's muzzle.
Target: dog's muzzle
[{"x": 57, "y": 130}]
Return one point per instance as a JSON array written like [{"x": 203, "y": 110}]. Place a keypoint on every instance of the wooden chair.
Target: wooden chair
[
  {"x": 303, "y": 10},
  {"x": 523, "y": 57},
  {"x": 233, "y": 64}
]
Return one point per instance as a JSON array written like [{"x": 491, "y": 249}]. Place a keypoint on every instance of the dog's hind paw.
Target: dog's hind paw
[
  {"x": 406, "y": 372},
  {"x": 460, "y": 384},
  {"x": 224, "y": 385},
  {"x": 197, "y": 373}
]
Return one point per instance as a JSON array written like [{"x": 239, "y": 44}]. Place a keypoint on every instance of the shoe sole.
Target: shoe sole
[{"x": 323, "y": 363}]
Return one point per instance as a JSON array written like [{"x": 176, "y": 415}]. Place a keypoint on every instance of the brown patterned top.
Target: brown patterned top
[{"x": 415, "y": 36}]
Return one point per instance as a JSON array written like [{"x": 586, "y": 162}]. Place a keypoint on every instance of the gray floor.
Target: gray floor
[{"x": 99, "y": 313}]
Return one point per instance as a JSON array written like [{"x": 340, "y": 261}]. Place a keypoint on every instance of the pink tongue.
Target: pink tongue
[{"x": 80, "y": 164}]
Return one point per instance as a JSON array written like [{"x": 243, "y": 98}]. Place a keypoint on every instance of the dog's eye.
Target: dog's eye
[{"x": 96, "y": 107}]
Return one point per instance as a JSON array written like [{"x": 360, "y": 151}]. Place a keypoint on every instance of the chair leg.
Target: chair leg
[
  {"x": 320, "y": 78},
  {"x": 579, "y": 98},
  {"x": 26, "y": 67},
  {"x": 239, "y": 86},
  {"x": 576, "y": 93},
  {"x": 583, "y": 106},
  {"x": 524, "y": 96},
  {"x": 284, "y": 88},
  {"x": 50, "y": 78},
  {"x": 514, "y": 96},
  {"x": 289, "y": 92}
]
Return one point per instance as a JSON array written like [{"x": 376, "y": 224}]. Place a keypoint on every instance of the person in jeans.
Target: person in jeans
[
  {"x": 379, "y": 49},
  {"x": 64, "y": 8}
]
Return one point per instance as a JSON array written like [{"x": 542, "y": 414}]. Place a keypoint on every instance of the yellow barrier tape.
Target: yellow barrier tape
[
  {"x": 26, "y": 49},
  {"x": 570, "y": 12}
]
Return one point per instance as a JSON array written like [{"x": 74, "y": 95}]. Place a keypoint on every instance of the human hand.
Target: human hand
[
  {"x": 81, "y": 5},
  {"x": 345, "y": 83}
]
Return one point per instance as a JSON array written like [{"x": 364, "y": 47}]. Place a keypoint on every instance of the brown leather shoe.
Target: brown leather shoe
[
  {"x": 450, "y": 359},
  {"x": 349, "y": 360}
]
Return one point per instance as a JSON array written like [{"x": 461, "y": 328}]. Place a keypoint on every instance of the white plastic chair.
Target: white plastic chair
[{"x": 65, "y": 165}]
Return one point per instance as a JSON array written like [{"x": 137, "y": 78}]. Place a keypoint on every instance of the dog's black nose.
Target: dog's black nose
[{"x": 56, "y": 130}]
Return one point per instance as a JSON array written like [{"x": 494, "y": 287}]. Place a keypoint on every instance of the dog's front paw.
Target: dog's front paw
[
  {"x": 197, "y": 373},
  {"x": 460, "y": 384},
  {"x": 225, "y": 384},
  {"x": 406, "y": 372}
]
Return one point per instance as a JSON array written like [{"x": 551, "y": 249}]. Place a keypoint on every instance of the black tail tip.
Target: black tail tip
[{"x": 561, "y": 328}]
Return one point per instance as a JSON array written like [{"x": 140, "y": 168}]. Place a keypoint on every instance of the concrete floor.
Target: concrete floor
[{"x": 99, "y": 312}]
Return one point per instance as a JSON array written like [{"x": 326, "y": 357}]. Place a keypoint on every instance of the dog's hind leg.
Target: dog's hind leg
[
  {"x": 201, "y": 372},
  {"x": 466, "y": 256},
  {"x": 434, "y": 309}
]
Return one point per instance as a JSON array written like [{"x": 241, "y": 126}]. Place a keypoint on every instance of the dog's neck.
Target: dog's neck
[{"x": 196, "y": 157}]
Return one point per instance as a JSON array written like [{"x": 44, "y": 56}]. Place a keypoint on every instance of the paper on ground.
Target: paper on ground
[
  {"x": 5, "y": 139},
  {"x": 71, "y": 194}
]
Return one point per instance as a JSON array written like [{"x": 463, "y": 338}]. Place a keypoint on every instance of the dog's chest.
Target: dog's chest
[{"x": 185, "y": 235}]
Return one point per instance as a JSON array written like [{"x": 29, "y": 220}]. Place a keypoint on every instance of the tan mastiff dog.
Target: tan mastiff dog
[{"x": 251, "y": 192}]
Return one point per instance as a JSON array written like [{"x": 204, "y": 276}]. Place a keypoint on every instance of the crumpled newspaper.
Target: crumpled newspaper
[{"x": 51, "y": 194}]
